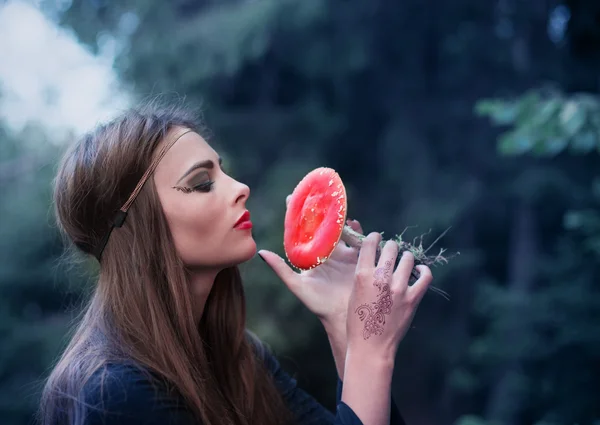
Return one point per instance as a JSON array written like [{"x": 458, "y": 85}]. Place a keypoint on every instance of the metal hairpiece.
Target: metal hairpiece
[{"x": 121, "y": 214}]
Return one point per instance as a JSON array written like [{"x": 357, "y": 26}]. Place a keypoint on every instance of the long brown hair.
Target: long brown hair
[{"x": 140, "y": 311}]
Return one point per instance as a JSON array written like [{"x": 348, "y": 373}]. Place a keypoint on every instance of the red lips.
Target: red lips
[{"x": 244, "y": 221}]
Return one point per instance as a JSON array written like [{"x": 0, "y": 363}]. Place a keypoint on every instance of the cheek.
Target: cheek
[
  {"x": 201, "y": 221},
  {"x": 197, "y": 230},
  {"x": 203, "y": 234}
]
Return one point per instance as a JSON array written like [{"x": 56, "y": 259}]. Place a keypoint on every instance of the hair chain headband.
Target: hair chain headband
[{"x": 119, "y": 217}]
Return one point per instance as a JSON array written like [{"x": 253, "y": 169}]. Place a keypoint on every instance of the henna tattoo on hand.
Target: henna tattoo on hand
[{"x": 373, "y": 314}]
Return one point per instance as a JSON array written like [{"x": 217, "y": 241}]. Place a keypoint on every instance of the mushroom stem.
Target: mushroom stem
[{"x": 354, "y": 239}]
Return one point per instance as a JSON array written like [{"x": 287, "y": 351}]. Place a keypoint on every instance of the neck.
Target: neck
[{"x": 201, "y": 283}]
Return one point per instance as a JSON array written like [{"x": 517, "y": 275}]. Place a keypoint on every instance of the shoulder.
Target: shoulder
[
  {"x": 112, "y": 383},
  {"x": 126, "y": 394},
  {"x": 283, "y": 381},
  {"x": 263, "y": 352}
]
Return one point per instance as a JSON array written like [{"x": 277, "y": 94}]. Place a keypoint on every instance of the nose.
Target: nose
[{"x": 242, "y": 192}]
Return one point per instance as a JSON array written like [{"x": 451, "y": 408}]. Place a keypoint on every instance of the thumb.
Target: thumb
[{"x": 281, "y": 269}]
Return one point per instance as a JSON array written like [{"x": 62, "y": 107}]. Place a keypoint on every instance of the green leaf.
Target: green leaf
[
  {"x": 528, "y": 106},
  {"x": 585, "y": 142},
  {"x": 572, "y": 220},
  {"x": 500, "y": 112},
  {"x": 546, "y": 111},
  {"x": 505, "y": 114},
  {"x": 485, "y": 107},
  {"x": 516, "y": 142},
  {"x": 572, "y": 117},
  {"x": 554, "y": 146},
  {"x": 506, "y": 144}
]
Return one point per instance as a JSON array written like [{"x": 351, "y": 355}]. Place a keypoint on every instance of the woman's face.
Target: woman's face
[{"x": 202, "y": 205}]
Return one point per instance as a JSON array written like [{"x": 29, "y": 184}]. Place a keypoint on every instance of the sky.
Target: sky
[{"x": 47, "y": 77}]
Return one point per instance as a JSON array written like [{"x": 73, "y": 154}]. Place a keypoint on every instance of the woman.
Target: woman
[{"x": 163, "y": 339}]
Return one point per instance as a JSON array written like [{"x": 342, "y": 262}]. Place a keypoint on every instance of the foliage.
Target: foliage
[
  {"x": 384, "y": 93},
  {"x": 558, "y": 317},
  {"x": 546, "y": 122},
  {"x": 35, "y": 293}
]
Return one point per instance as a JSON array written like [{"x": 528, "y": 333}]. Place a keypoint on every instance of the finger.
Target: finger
[
  {"x": 402, "y": 273},
  {"x": 419, "y": 288},
  {"x": 281, "y": 269},
  {"x": 385, "y": 266},
  {"x": 368, "y": 251},
  {"x": 287, "y": 200},
  {"x": 355, "y": 225},
  {"x": 387, "y": 260}
]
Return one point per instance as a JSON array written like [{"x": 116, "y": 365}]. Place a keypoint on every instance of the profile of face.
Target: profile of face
[{"x": 202, "y": 205}]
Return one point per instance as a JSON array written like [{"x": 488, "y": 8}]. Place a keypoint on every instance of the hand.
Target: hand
[
  {"x": 324, "y": 290},
  {"x": 382, "y": 304}
]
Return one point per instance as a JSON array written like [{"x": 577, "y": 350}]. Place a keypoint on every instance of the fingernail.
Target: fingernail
[{"x": 262, "y": 258}]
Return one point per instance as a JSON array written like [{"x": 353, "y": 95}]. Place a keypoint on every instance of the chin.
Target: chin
[
  {"x": 235, "y": 256},
  {"x": 242, "y": 253},
  {"x": 249, "y": 250}
]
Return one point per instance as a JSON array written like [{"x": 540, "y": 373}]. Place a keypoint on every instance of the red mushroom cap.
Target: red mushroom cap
[{"x": 315, "y": 218}]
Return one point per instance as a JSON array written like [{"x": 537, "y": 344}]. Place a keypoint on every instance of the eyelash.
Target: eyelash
[{"x": 202, "y": 187}]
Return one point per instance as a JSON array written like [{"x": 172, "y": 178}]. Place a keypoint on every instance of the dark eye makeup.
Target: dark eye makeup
[
  {"x": 202, "y": 187},
  {"x": 197, "y": 185}
]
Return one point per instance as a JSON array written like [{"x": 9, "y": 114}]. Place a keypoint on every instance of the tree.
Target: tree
[
  {"x": 383, "y": 92},
  {"x": 556, "y": 354},
  {"x": 35, "y": 294}
]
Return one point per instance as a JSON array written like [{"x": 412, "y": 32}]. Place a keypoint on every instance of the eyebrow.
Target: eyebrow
[{"x": 202, "y": 164}]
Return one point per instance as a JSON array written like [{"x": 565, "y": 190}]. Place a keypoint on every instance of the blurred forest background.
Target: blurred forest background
[{"x": 482, "y": 115}]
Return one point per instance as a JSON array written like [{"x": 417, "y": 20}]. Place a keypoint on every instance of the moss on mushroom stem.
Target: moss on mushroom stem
[{"x": 354, "y": 239}]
